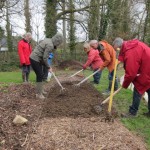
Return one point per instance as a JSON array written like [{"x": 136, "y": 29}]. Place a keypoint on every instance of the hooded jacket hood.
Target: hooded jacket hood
[
  {"x": 127, "y": 45},
  {"x": 57, "y": 39}
]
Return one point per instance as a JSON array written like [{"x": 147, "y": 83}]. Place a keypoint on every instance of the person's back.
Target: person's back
[
  {"x": 108, "y": 55},
  {"x": 94, "y": 59},
  {"x": 136, "y": 55},
  {"x": 38, "y": 52}
]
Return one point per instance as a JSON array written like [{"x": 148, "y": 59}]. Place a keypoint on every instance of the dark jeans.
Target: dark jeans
[
  {"x": 136, "y": 101},
  {"x": 110, "y": 77},
  {"x": 45, "y": 72},
  {"x": 97, "y": 76},
  {"x": 25, "y": 72},
  {"x": 38, "y": 69},
  {"x": 26, "y": 69}
]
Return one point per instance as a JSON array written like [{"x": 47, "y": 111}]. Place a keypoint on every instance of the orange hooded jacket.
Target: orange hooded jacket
[{"x": 108, "y": 55}]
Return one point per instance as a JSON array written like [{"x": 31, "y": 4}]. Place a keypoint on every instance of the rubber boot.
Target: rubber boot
[
  {"x": 44, "y": 92},
  {"x": 27, "y": 77},
  {"x": 39, "y": 90},
  {"x": 24, "y": 77}
]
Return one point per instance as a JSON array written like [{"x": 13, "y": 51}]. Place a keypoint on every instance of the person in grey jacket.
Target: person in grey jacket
[{"x": 39, "y": 57}]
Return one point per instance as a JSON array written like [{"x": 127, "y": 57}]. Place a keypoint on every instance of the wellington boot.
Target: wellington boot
[
  {"x": 40, "y": 96},
  {"x": 44, "y": 92},
  {"x": 39, "y": 90}
]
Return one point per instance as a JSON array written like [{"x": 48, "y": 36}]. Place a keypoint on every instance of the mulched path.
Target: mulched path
[{"x": 63, "y": 121}]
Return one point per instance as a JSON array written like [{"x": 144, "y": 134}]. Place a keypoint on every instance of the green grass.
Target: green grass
[
  {"x": 14, "y": 77},
  {"x": 121, "y": 101}
]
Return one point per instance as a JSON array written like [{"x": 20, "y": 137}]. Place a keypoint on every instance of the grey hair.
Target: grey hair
[
  {"x": 86, "y": 45},
  {"x": 26, "y": 34},
  {"x": 93, "y": 42},
  {"x": 118, "y": 42}
]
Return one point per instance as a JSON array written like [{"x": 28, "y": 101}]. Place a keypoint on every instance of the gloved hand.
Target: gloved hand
[
  {"x": 50, "y": 69},
  {"x": 84, "y": 67},
  {"x": 101, "y": 67}
]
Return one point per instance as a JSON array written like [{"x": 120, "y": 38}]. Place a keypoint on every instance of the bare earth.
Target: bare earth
[{"x": 64, "y": 121}]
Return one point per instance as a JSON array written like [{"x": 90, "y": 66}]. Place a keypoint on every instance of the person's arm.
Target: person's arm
[
  {"x": 48, "y": 49},
  {"x": 89, "y": 60},
  {"x": 131, "y": 68},
  {"x": 21, "y": 53}
]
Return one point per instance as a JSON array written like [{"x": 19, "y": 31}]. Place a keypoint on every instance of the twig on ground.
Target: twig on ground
[{"x": 25, "y": 141}]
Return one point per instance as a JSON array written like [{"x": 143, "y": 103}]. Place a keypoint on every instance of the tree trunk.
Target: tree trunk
[
  {"x": 64, "y": 32},
  {"x": 72, "y": 37},
  {"x": 51, "y": 20},
  {"x": 93, "y": 23},
  {"x": 27, "y": 16},
  {"x": 8, "y": 29},
  {"x": 146, "y": 33}
]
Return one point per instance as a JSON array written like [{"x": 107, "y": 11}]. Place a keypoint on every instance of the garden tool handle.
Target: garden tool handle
[
  {"x": 113, "y": 82},
  {"x": 107, "y": 99},
  {"x": 76, "y": 73},
  {"x": 57, "y": 80},
  {"x": 87, "y": 77}
]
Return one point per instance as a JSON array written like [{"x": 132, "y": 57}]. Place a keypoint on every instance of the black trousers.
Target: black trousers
[{"x": 38, "y": 69}]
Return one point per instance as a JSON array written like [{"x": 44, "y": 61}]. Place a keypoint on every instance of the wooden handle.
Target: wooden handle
[{"x": 107, "y": 99}]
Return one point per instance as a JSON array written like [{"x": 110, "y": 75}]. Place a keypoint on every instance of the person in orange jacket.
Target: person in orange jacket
[{"x": 108, "y": 55}]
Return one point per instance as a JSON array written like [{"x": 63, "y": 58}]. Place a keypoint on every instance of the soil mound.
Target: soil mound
[
  {"x": 70, "y": 64},
  {"x": 74, "y": 101}
]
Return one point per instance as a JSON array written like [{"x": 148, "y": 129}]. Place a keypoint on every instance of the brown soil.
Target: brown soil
[
  {"x": 63, "y": 121},
  {"x": 70, "y": 64}
]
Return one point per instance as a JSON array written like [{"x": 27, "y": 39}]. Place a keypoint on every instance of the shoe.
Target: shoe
[
  {"x": 147, "y": 114},
  {"x": 44, "y": 92},
  {"x": 127, "y": 115},
  {"x": 107, "y": 92},
  {"x": 40, "y": 96}
]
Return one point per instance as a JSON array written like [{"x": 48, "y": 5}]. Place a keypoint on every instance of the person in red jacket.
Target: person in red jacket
[
  {"x": 94, "y": 61},
  {"x": 24, "y": 51},
  {"x": 135, "y": 55}
]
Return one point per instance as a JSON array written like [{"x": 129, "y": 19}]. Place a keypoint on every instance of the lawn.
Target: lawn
[{"x": 121, "y": 101}]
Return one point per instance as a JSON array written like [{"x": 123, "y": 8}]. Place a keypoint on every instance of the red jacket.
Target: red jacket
[
  {"x": 93, "y": 60},
  {"x": 136, "y": 56},
  {"x": 24, "y": 51}
]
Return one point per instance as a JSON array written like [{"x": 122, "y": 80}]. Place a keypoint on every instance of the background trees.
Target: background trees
[{"x": 78, "y": 20}]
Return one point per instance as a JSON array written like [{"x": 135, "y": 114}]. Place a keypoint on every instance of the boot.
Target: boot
[
  {"x": 27, "y": 77},
  {"x": 44, "y": 92},
  {"x": 24, "y": 77},
  {"x": 39, "y": 90}
]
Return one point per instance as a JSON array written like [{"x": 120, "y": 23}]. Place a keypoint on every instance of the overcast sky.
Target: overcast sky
[{"x": 37, "y": 21}]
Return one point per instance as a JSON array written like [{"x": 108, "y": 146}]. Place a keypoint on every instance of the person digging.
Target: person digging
[
  {"x": 135, "y": 55},
  {"x": 39, "y": 57},
  {"x": 108, "y": 55},
  {"x": 94, "y": 61}
]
